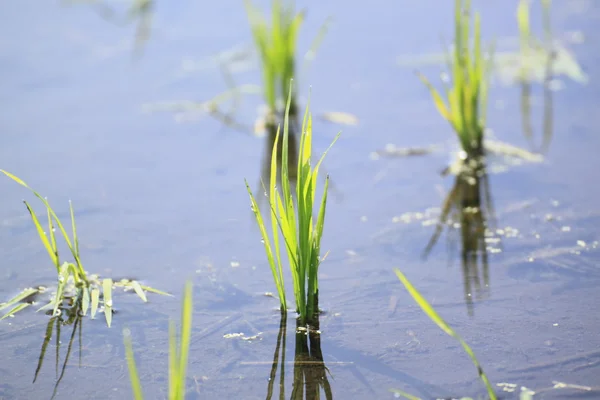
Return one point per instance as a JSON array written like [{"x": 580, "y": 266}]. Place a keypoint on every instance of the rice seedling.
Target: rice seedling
[
  {"x": 89, "y": 291},
  {"x": 178, "y": 353},
  {"x": 531, "y": 52},
  {"x": 443, "y": 325},
  {"x": 300, "y": 230},
  {"x": 529, "y": 45},
  {"x": 466, "y": 99},
  {"x": 276, "y": 45}
]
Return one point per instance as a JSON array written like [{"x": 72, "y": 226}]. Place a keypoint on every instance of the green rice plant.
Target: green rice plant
[
  {"x": 73, "y": 281},
  {"x": 178, "y": 354},
  {"x": 300, "y": 230},
  {"x": 276, "y": 45},
  {"x": 439, "y": 321},
  {"x": 530, "y": 46},
  {"x": 536, "y": 55},
  {"x": 466, "y": 99}
]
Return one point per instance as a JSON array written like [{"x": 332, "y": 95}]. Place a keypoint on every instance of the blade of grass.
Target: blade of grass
[
  {"x": 173, "y": 365},
  {"x": 20, "y": 297},
  {"x": 139, "y": 291},
  {"x": 85, "y": 300},
  {"x": 95, "y": 295},
  {"x": 15, "y": 310},
  {"x": 63, "y": 279},
  {"x": 153, "y": 290},
  {"x": 134, "y": 378},
  {"x": 107, "y": 292},
  {"x": 437, "y": 319},
  {"x": 43, "y": 237},
  {"x": 185, "y": 335}
]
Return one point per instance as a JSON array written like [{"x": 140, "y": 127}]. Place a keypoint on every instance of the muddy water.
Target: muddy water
[{"x": 164, "y": 202}]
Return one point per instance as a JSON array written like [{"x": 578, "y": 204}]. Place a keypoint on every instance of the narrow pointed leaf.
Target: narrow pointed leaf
[
  {"x": 153, "y": 290},
  {"x": 134, "y": 378},
  {"x": 108, "y": 303},
  {"x": 95, "y": 295},
  {"x": 42, "y": 235},
  {"x": 15, "y": 310},
  {"x": 21, "y": 296},
  {"x": 85, "y": 300},
  {"x": 139, "y": 291},
  {"x": 435, "y": 317}
]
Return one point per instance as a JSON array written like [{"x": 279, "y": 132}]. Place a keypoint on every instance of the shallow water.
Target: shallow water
[{"x": 164, "y": 202}]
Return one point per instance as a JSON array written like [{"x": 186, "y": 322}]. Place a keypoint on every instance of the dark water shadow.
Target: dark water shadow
[
  {"x": 71, "y": 315},
  {"x": 468, "y": 211},
  {"x": 273, "y": 126},
  {"x": 309, "y": 372}
]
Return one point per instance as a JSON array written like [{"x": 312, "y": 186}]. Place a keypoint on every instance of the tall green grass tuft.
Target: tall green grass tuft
[
  {"x": 85, "y": 292},
  {"x": 443, "y": 325},
  {"x": 300, "y": 227},
  {"x": 466, "y": 99},
  {"x": 178, "y": 354},
  {"x": 276, "y": 43}
]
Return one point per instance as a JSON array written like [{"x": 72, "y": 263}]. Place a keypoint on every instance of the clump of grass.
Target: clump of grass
[
  {"x": 178, "y": 354},
  {"x": 439, "y": 321},
  {"x": 529, "y": 45},
  {"x": 276, "y": 44},
  {"x": 466, "y": 99},
  {"x": 532, "y": 52},
  {"x": 300, "y": 229},
  {"x": 85, "y": 292}
]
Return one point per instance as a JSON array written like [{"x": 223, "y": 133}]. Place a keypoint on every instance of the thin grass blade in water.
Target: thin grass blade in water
[
  {"x": 15, "y": 310},
  {"x": 139, "y": 291},
  {"x": 185, "y": 335},
  {"x": 153, "y": 290},
  {"x": 18, "y": 298},
  {"x": 95, "y": 295},
  {"x": 85, "y": 300},
  {"x": 134, "y": 378},
  {"x": 107, "y": 292},
  {"x": 435, "y": 317},
  {"x": 50, "y": 248}
]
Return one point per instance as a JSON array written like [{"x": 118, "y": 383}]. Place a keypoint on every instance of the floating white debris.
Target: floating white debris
[
  {"x": 235, "y": 264},
  {"x": 580, "y": 243},
  {"x": 339, "y": 117},
  {"x": 566, "y": 229},
  {"x": 233, "y": 335}
]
